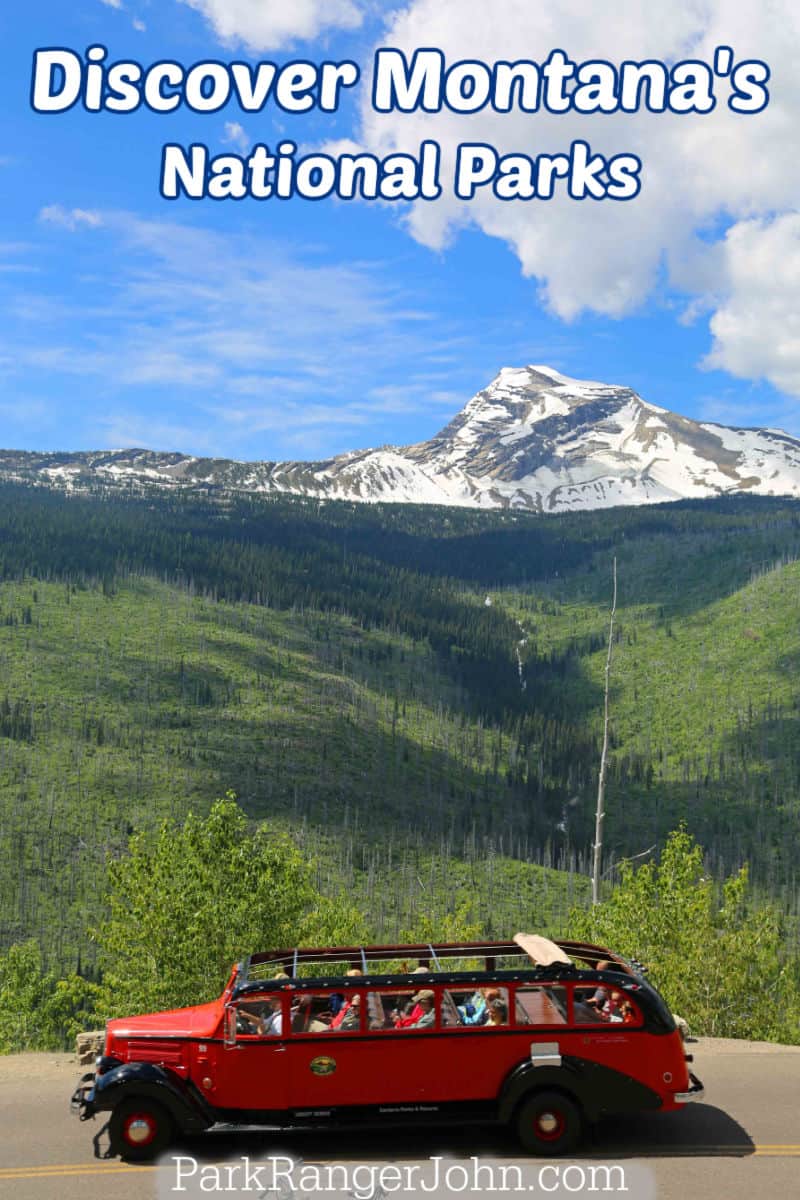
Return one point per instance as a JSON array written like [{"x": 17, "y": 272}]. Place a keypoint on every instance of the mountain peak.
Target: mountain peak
[
  {"x": 522, "y": 401},
  {"x": 534, "y": 438},
  {"x": 539, "y": 374}
]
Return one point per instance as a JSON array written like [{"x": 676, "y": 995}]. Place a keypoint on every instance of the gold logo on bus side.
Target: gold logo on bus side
[{"x": 323, "y": 1065}]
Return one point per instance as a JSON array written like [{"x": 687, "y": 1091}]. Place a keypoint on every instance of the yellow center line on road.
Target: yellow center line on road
[
  {"x": 69, "y": 1172},
  {"x": 77, "y": 1170}
]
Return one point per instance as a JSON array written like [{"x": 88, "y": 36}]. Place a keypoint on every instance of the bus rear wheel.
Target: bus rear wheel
[
  {"x": 549, "y": 1123},
  {"x": 140, "y": 1129}
]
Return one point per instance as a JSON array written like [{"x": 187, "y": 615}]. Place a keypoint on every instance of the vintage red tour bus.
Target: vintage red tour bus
[{"x": 540, "y": 1035}]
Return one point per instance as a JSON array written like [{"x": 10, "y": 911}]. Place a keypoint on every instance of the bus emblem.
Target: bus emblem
[{"x": 323, "y": 1065}]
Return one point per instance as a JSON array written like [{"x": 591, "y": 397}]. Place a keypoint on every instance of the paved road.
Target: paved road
[{"x": 743, "y": 1142}]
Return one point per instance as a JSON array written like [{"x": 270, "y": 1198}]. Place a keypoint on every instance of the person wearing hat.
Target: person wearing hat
[
  {"x": 405, "y": 1020},
  {"x": 425, "y": 1000}
]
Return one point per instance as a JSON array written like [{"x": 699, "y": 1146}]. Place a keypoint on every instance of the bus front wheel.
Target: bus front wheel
[{"x": 140, "y": 1129}]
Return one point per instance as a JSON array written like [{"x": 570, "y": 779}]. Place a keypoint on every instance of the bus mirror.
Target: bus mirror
[{"x": 230, "y": 1025}]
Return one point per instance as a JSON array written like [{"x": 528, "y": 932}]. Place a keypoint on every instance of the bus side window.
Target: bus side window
[
  {"x": 407, "y": 1009},
  {"x": 603, "y": 1005},
  {"x": 544, "y": 1005},
  {"x": 327, "y": 1012},
  {"x": 262, "y": 1017},
  {"x": 477, "y": 1009}
]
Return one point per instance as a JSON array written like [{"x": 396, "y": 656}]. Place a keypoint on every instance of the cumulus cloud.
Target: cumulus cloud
[
  {"x": 274, "y": 24},
  {"x": 756, "y": 325},
  {"x": 70, "y": 218},
  {"x": 701, "y": 172}
]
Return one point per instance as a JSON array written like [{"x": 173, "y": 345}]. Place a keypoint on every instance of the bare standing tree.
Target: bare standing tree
[{"x": 601, "y": 783}]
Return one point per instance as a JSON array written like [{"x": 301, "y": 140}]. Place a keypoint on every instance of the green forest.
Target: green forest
[{"x": 412, "y": 695}]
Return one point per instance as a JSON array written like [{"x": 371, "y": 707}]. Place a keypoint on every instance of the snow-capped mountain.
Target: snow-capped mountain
[{"x": 532, "y": 439}]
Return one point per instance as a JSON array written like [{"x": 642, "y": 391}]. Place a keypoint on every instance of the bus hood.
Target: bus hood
[{"x": 200, "y": 1021}]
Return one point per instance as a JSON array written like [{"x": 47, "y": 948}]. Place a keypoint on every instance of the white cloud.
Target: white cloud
[
  {"x": 336, "y": 147},
  {"x": 235, "y": 135},
  {"x": 274, "y": 24},
  {"x": 72, "y": 219},
  {"x": 112, "y": 3},
  {"x": 256, "y": 342},
  {"x": 756, "y": 325},
  {"x": 412, "y": 396},
  {"x": 275, "y": 418},
  {"x": 138, "y": 25},
  {"x": 700, "y": 171},
  {"x": 127, "y": 429}
]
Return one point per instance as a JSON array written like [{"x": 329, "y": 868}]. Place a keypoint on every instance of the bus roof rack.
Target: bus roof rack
[{"x": 337, "y": 960}]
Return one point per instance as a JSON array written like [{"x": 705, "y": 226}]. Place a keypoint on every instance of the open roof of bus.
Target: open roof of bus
[{"x": 539, "y": 951}]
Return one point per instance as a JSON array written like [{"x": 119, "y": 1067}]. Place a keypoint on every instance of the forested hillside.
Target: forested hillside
[{"x": 416, "y": 692}]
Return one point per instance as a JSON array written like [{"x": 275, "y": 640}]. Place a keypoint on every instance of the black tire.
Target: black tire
[
  {"x": 549, "y": 1123},
  {"x": 140, "y": 1129}
]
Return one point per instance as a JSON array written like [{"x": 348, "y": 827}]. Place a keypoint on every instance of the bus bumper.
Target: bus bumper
[
  {"x": 695, "y": 1092},
  {"x": 81, "y": 1103}
]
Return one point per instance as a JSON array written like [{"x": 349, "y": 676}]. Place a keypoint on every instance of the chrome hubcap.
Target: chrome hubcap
[
  {"x": 548, "y": 1122},
  {"x": 139, "y": 1131}
]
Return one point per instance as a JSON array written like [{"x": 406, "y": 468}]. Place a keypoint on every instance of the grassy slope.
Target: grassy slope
[
  {"x": 703, "y": 686},
  {"x": 148, "y": 701},
  {"x": 682, "y": 683}
]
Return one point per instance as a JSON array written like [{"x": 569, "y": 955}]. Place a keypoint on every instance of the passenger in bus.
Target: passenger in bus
[
  {"x": 349, "y": 1016},
  {"x": 623, "y": 1009},
  {"x": 337, "y": 1000},
  {"x": 265, "y": 1018},
  {"x": 272, "y": 1019},
  {"x": 404, "y": 1018},
  {"x": 474, "y": 1011},
  {"x": 611, "y": 1009},
  {"x": 348, "y": 1013},
  {"x": 600, "y": 998},
  {"x": 375, "y": 1013},
  {"x": 611, "y": 1005},
  {"x": 497, "y": 1012},
  {"x": 426, "y": 1002},
  {"x": 247, "y": 1021}
]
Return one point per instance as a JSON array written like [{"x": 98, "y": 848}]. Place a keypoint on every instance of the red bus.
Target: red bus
[{"x": 540, "y": 1035}]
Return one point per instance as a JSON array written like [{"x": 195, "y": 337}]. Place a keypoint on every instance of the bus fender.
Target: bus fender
[
  {"x": 599, "y": 1090},
  {"x": 188, "y": 1109},
  {"x": 527, "y": 1078}
]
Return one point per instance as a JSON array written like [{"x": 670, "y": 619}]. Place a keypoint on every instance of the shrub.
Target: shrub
[
  {"x": 187, "y": 902},
  {"x": 720, "y": 959}
]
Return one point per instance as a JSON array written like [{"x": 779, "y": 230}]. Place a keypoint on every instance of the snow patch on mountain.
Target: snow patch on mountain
[{"x": 533, "y": 439}]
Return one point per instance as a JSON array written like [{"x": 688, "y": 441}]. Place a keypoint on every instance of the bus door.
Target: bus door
[{"x": 248, "y": 1071}]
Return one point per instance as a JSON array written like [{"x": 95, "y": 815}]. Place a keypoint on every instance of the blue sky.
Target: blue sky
[{"x": 293, "y": 330}]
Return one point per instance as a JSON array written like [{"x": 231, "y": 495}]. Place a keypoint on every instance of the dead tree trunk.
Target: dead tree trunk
[{"x": 601, "y": 783}]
